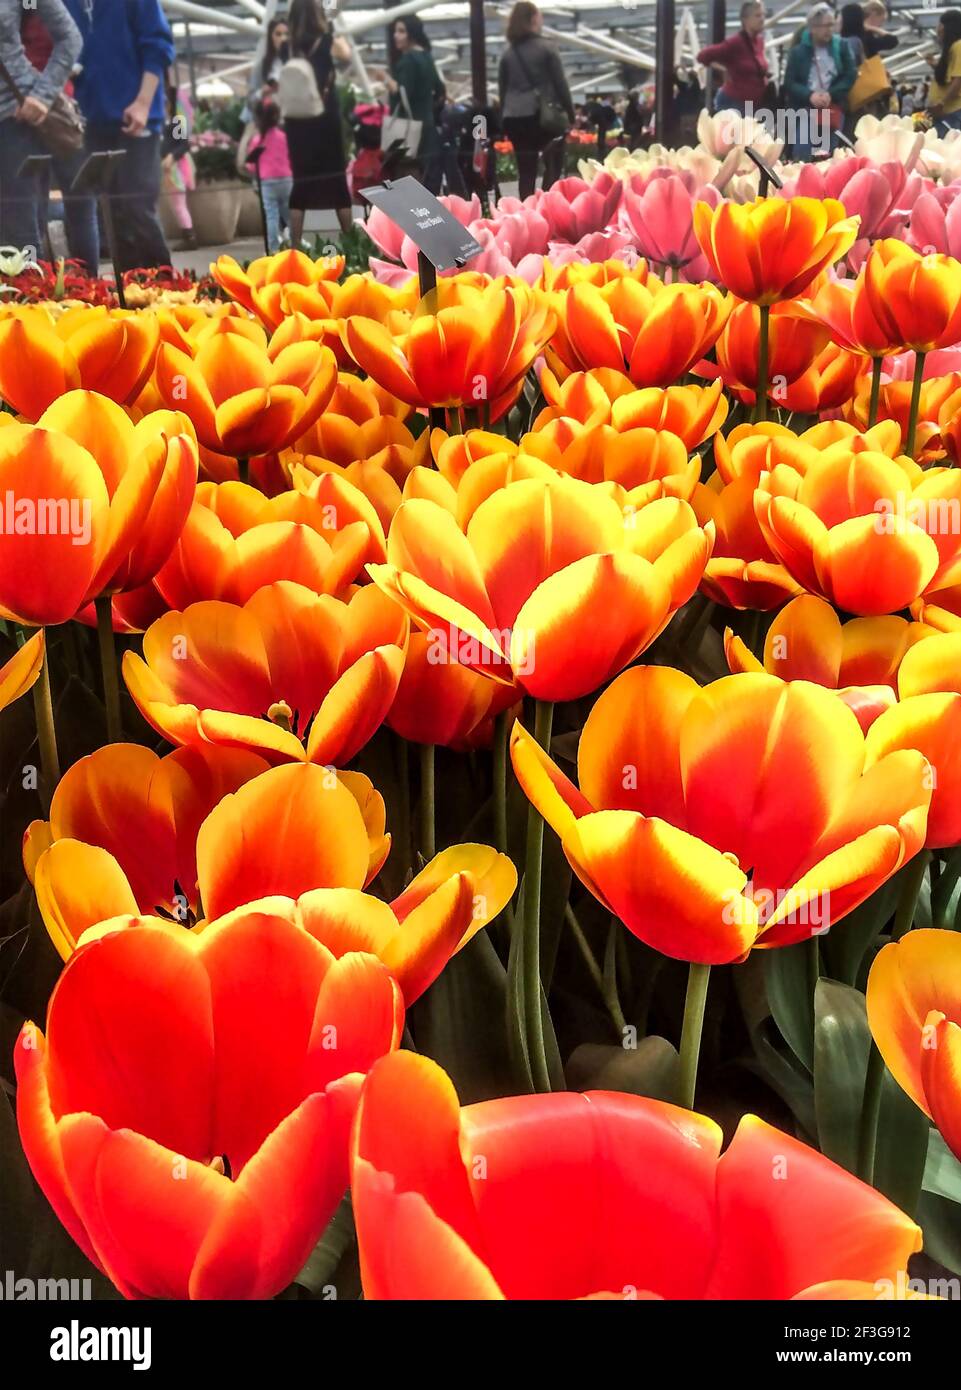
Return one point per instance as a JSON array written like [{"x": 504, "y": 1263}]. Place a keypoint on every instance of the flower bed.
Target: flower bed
[{"x": 498, "y": 749}]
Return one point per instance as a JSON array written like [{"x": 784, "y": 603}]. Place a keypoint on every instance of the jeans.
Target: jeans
[
  {"x": 79, "y": 212},
  {"x": 722, "y": 102},
  {"x": 19, "y": 197},
  {"x": 276, "y": 196},
  {"x": 134, "y": 190},
  {"x": 950, "y": 122}
]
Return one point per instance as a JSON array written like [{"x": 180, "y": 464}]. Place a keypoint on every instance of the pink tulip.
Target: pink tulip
[
  {"x": 517, "y": 234},
  {"x": 574, "y": 208},
  {"x": 384, "y": 233},
  {"x": 936, "y": 221},
  {"x": 659, "y": 212},
  {"x": 941, "y": 362}
]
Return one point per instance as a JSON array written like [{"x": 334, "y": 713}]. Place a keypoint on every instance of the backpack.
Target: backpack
[{"x": 297, "y": 93}]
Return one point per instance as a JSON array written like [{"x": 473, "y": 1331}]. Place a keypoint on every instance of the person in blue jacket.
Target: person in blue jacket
[
  {"x": 819, "y": 75},
  {"x": 127, "y": 48}
]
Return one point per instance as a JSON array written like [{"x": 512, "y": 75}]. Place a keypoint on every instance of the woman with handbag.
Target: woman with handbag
[
  {"x": 26, "y": 96},
  {"x": 819, "y": 75},
  {"x": 536, "y": 105},
  {"x": 747, "y": 80},
  {"x": 416, "y": 92},
  {"x": 944, "y": 93},
  {"x": 871, "y": 93},
  {"x": 307, "y": 96}
]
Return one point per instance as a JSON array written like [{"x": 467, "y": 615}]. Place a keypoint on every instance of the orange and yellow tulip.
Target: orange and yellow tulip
[
  {"x": 241, "y": 399},
  {"x": 928, "y": 717},
  {"x": 859, "y": 659},
  {"x": 653, "y": 333},
  {"x": 442, "y": 702},
  {"x": 686, "y": 792},
  {"x": 894, "y": 407},
  {"x": 605, "y": 397},
  {"x": 473, "y": 352},
  {"x": 914, "y": 298},
  {"x": 290, "y": 674},
  {"x": 793, "y": 345},
  {"x": 189, "y": 1154},
  {"x": 773, "y": 248},
  {"x": 92, "y": 504},
  {"x": 87, "y": 349},
  {"x": 743, "y": 571},
  {"x": 260, "y": 288},
  {"x": 122, "y": 834},
  {"x": 22, "y": 671},
  {"x": 207, "y": 844},
  {"x": 914, "y": 1010},
  {"x": 846, "y": 308},
  {"x": 235, "y": 540},
  {"x": 867, "y": 532},
  {"x": 552, "y": 585},
  {"x": 500, "y": 1200}
]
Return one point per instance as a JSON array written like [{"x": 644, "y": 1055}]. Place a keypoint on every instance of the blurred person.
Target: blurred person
[
  {"x": 876, "y": 37},
  {"x": 747, "y": 78},
  {"x": 413, "y": 73},
  {"x": 273, "y": 171},
  {"x": 852, "y": 31},
  {"x": 634, "y": 118},
  {"x": 78, "y": 210},
  {"x": 530, "y": 73},
  {"x": 275, "y": 55},
  {"x": 312, "y": 120},
  {"x": 179, "y": 175},
  {"x": 944, "y": 92},
  {"x": 127, "y": 49},
  {"x": 21, "y": 198},
  {"x": 819, "y": 74}
]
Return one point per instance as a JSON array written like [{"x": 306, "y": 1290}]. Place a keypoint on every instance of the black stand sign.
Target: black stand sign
[
  {"x": 768, "y": 176},
  {"x": 436, "y": 232},
  {"x": 254, "y": 158},
  {"x": 95, "y": 176},
  {"x": 442, "y": 242}
]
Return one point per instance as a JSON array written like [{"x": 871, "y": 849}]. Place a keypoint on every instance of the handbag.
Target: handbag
[
  {"x": 871, "y": 83},
  {"x": 400, "y": 128},
  {"x": 551, "y": 116},
  {"x": 61, "y": 129}
]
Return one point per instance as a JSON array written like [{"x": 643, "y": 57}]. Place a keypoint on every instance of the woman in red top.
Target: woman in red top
[{"x": 742, "y": 58}]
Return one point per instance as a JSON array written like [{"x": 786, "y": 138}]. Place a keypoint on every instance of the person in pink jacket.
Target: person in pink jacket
[{"x": 272, "y": 169}]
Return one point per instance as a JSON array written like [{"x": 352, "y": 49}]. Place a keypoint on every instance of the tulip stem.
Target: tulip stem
[
  {"x": 915, "y": 403},
  {"x": 46, "y": 729},
  {"x": 108, "y": 667},
  {"x": 870, "y": 1110},
  {"x": 531, "y": 955},
  {"x": 694, "y": 1003},
  {"x": 910, "y": 892},
  {"x": 427, "y": 837},
  {"x": 876, "y": 365},
  {"x": 500, "y": 781},
  {"x": 607, "y": 993},
  {"x": 760, "y": 405}
]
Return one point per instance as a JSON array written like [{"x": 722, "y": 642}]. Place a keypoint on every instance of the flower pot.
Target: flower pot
[
  {"x": 250, "y": 223},
  {"x": 215, "y": 209}
]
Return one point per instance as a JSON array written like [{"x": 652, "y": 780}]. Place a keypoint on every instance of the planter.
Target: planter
[
  {"x": 215, "y": 209},
  {"x": 249, "y": 223}
]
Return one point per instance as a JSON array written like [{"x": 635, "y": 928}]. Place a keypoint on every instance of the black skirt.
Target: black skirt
[{"x": 316, "y": 148}]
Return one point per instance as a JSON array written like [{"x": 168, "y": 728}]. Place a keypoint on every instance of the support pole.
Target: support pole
[
  {"x": 478, "y": 54},
  {"x": 717, "y": 26},
  {"x": 664, "y": 27}
]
